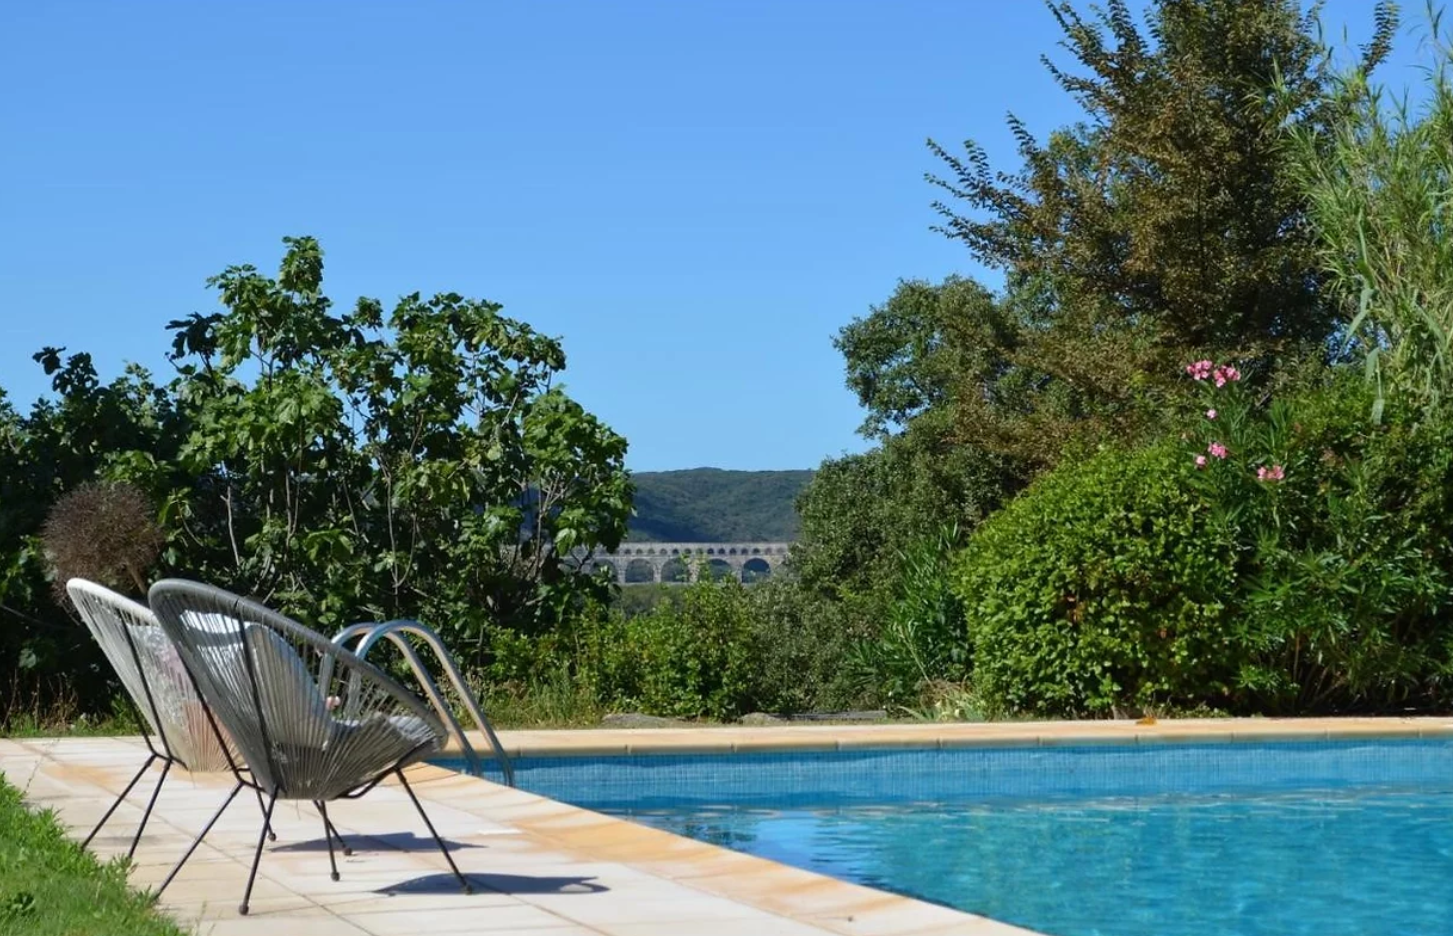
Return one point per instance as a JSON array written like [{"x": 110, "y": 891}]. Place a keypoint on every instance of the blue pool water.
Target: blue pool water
[{"x": 1171, "y": 840}]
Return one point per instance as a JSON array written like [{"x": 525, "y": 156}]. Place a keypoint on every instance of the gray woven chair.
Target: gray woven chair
[
  {"x": 312, "y": 720},
  {"x": 173, "y": 715}
]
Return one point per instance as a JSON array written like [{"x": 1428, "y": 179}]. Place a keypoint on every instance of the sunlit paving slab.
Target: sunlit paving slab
[{"x": 536, "y": 866}]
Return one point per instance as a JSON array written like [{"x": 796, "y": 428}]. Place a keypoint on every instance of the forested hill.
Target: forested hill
[{"x": 710, "y": 505}]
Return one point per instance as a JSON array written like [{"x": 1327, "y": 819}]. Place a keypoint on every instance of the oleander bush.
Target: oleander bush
[{"x": 1286, "y": 556}]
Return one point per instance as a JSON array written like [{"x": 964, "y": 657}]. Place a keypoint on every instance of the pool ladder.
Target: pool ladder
[{"x": 369, "y": 633}]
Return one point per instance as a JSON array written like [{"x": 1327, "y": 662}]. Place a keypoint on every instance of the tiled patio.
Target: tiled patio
[{"x": 539, "y": 867}]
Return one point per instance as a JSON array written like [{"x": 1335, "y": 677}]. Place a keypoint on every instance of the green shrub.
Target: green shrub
[
  {"x": 711, "y": 650},
  {"x": 1098, "y": 588},
  {"x": 802, "y": 640},
  {"x": 688, "y": 660},
  {"x": 1286, "y": 558},
  {"x": 1343, "y": 596}
]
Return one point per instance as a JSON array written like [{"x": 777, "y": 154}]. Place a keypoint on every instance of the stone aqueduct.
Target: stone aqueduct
[{"x": 677, "y": 563}]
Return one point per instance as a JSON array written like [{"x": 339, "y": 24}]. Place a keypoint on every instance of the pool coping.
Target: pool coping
[{"x": 738, "y": 739}]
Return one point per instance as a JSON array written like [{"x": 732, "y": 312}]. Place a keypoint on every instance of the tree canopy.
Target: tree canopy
[
  {"x": 415, "y": 463},
  {"x": 1166, "y": 225}
]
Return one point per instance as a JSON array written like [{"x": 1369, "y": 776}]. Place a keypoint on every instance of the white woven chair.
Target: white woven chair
[
  {"x": 173, "y": 715},
  {"x": 312, "y": 720}
]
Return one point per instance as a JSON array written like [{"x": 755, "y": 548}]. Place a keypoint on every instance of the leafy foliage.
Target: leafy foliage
[
  {"x": 1343, "y": 527},
  {"x": 415, "y": 465},
  {"x": 90, "y": 430},
  {"x": 1378, "y": 184},
  {"x": 714, "y": 650},
  {"x": 1096, "y": 589},
  {"x": 341, "y": 467},
  {"x": 689, "y": 661},
  {"x": 1168, "y": 222},
  {"x": 907, "y": 358},
  {"x": 905, "y": 361},
  {"x": 861, "y": 512},
  {"x": 921, "y": 645},
  {"x": 1286, "y": 558}
]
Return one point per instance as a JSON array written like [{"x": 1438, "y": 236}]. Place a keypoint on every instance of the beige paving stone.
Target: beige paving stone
[
  {"x": 766, "y": 926},
  {"x": 482, "y": 919},
  {"x": 285, "y": 907},
  {"x": 303, "y": 923},
  {"x": 683, "y": 906},
  {"x": 799, "y": 894},
  {"x": 896, "y": 919},
  {"x": 768, "y": 743},
  {"x": 349, "y": 905},
  {"x": 721, "y": 864}
]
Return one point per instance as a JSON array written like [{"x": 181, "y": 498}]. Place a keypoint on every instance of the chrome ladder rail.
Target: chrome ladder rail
[{"x": 369, "y": 633}]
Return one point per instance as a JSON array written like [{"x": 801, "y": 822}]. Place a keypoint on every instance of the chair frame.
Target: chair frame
[
  {"x": 171, "y": 597},
  {"x": 148, "y": 718}
]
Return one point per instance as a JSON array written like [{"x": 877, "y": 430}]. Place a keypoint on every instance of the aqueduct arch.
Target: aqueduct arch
[{"x": 630, "y": 563}]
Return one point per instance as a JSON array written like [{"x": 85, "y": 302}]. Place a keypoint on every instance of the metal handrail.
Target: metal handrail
[{"x": 371, "y": 632}]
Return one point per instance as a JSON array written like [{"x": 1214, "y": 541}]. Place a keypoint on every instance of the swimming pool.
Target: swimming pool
[{"x": 1190, "y": 839}]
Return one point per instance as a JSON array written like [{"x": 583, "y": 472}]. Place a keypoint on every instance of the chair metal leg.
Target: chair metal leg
[
  {"x": 328, "y": 834},
  {"x": 463, "y": 883},
  {"x": 198, "y": 840},
  {"x": 156, "y": 791},
  {"x": 332, "y": 829},
  {"x": 144, "y": 768},
  {"x": 271, "y": 835},
  {"x": 257, "y": 855}
]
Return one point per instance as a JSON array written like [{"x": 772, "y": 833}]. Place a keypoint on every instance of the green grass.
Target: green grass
[{"x": 50, "y": 886}]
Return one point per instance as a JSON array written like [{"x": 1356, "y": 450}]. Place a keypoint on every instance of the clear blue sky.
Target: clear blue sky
[{"x": 694, "y": 194}]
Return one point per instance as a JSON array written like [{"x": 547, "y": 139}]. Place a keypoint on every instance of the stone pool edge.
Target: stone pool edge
[{"x": 733, "y": 739}]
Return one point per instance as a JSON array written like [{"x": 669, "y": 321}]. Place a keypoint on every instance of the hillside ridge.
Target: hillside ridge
[{"x": 716, "y": 505}]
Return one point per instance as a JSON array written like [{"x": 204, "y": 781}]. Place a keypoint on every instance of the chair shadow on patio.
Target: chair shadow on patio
[
  {"x": 390, "y": 841},
  {"x": 499, "y": 883}
]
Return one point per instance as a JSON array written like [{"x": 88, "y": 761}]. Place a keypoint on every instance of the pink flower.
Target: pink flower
[
  {"x": 1199, "y": 370},
  {"x": 1210, "y": 414},
  {"x": 1226, "y": 373},
  {"x": 1217, "y": 450},
  {"x": 1275, "y": 473},
  {"x": 1200, "y": 461}
]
